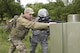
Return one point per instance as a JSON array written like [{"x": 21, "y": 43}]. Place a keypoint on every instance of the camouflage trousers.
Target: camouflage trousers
[
  {"x": 34, "y": 42},
  {"x": 17, "y": 44}
]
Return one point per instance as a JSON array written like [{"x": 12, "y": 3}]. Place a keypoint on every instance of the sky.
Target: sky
[{"x": 24, "y": 2}]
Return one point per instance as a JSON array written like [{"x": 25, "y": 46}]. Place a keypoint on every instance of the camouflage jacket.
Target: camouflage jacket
[{"x": 22, "y": 24}]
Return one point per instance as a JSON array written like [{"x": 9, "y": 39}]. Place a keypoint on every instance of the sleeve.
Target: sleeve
[{"x": 33, "y": 25}]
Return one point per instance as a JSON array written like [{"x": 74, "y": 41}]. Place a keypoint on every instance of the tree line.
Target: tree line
[{"x": 57, "y": 10}]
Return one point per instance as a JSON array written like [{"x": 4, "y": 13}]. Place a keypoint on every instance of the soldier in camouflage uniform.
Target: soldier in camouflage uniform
[
  {"x": 40, "y": 36},
  {"x": 23, "y": 24}
]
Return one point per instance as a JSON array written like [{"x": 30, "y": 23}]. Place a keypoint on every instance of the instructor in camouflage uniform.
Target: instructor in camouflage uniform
[
  {"x": 23, "y": 24},
  {"x": 40, "y": 36}
]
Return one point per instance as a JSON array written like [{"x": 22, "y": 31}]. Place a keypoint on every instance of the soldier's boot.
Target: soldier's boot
[
  {"x": 33, "y": 47},
  {"x": 12, "y": 49}
]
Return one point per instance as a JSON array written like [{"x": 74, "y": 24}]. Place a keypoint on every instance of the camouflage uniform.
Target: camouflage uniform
[
  {"x": 18, "y": 33},
  {"x": 40, "y": 36}
]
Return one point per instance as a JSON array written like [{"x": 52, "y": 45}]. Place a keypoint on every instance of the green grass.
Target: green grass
[{"x": 4, "y": 44}]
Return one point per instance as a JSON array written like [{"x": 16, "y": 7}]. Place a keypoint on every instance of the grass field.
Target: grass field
[{"x": 4, "y": 44}]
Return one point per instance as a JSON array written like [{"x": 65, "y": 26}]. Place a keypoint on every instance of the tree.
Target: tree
[
  {"x": 10, "y": 8},
  {"x": 49, "y": 0},
  {"x": 75, "y": 7}
]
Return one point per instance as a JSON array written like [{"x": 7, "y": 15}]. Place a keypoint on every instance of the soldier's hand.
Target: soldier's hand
[{"x": 51, "y": 23}]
